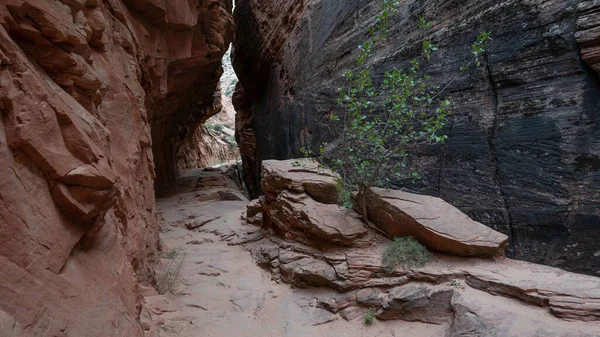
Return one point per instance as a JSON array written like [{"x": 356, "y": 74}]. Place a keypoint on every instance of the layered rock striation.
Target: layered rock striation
[
  {"x": 523, "y": 150},
  {"x": 94, "y": 96},
  {"x": 469, "y": 295}
]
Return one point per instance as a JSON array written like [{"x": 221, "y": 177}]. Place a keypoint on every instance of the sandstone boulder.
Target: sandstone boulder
[
  {"x": 434, "y": 222},
  {"x": 300, "y": 215},
  {"x": 418, "y": 302},
  {"x": 299, "y": 176},
  {"x": 253, "y": 208}
]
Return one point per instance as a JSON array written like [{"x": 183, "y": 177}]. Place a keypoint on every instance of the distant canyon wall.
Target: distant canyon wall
[{"x": 523, "y": 154}]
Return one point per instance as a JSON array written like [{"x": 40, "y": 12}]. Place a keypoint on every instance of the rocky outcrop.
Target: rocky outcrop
[
  {"x": 300, "y": 200},
  {"x": 88, "y": 89},
  {"x": 204, "y": 149},
  {"x": 207, "y": 147},
  {"x": 523, "y": 151},
  {"x": 471, "y": 296},
  {"x": 298, "y": 176},
  {"x": 434, "y": 222}
]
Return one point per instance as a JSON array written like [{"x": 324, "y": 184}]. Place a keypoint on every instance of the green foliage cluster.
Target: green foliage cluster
[
  {"x": 406, "y": 252},
  {"x": 369, "y": 316},
  {"x": 344, "y": 195},
  {"x": 383, "y": 119},
  {"x": 215, "y": 127},
  {"x": 218, "y": 129}
]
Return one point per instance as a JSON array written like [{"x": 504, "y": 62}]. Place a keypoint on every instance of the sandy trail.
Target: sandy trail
[{"x": 221, "y": 290}]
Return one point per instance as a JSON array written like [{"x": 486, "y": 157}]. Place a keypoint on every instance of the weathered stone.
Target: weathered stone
[
  {"x": 336, "y": 302},
  {"x": 253, "y": 208},
  {"x": 479, "y": 314},
  {"x": 370, "y": 297},
  {"x": 301, "y": 214},
  {"x": 418, "y": 302},
  {"x": 308, "y": 272},
  {"x": 299, "y": 176},
  {"x": 588, "y": 32},
  {"x": 433, "y": 222},
  {"x": 246, "y": 138}
]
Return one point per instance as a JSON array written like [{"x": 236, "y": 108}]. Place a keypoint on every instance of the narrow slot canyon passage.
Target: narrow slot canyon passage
[
  {"x": 220, "y": 290},
  {"x": 153, "y": 179}
]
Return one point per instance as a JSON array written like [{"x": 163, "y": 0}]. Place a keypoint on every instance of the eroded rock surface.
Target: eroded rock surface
[
  {"x": 300, "y": 199},
  {"x": 434, "y": 222},
  {"x": 88, "y": 89},
  {"x": 524, "y": 299},
  {"x": 221, "y": 292},
  {"x": 523, "y": 152}
]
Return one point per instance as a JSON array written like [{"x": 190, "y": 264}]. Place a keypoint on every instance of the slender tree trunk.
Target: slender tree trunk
[{"x": 362, "y": 202}]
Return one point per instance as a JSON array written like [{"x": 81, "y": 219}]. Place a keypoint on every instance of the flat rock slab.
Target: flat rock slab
[
  {"x": 299, "y": 212},
  {"x": 299, "y": 176},
  {"x": 434, "y": 222}
]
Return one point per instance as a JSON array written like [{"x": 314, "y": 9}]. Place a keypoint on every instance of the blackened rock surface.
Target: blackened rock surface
[{"x": 524, "y": 140}]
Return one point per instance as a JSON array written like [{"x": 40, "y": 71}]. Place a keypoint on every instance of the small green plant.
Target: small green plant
[
  {"x": 344, "y": 195},
  {"x": 405, "y": 251},
  {"x": 215, "y": 127},
  {"x": 456, "y": 284},
  {"x": 172, "y": 272},
  {"x": 369, "y": 316},
  {"x": 229, "y": 140},
  {"x": 172, "y": 254}
]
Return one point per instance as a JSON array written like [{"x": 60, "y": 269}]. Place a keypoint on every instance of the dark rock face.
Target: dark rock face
[{"x": 523, "y": 155}]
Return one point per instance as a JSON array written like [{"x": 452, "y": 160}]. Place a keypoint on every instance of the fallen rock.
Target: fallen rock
[
  {"x": 308, "y": 272},
  {"x": 334, "y": 302},
  {"x": 254, "y": 207},
  {"x": 370, "y": 297},
  {"x": 418, "y": 302},
  {"x": 299, "y": 176},
  {"x": 433, "y": 222},
  {"x": 300, "y": 215}
]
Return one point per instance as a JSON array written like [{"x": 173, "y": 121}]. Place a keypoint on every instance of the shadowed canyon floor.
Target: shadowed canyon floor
[{"x": 221, "y": 291}]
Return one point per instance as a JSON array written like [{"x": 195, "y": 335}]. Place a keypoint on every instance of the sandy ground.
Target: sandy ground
[{"x": 222, "y": 292}]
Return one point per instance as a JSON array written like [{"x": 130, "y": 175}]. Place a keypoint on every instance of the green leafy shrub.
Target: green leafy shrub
[
  {"x": 369, "y": 316},
  {"x": 382, "y": 119},
  {"x": 229, "y": 140},
  {"x": 405, "y": 251},
  {"x": 344, "y": 195},
  {"x": 171, "y": 274},
  {"x": 215, "y": 127}
]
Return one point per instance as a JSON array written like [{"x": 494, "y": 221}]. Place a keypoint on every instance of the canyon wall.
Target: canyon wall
[
  {"x": 209, "y": 146},
  {"x": 523, "y": 154},
  {"x": 94, "y": 96}
]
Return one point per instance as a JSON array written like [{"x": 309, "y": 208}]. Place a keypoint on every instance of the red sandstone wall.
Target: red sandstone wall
[{"x": 86, "y": 88}]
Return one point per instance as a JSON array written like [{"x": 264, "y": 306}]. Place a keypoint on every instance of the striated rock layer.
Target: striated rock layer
[
  {"x": 470, "y": 296},
  {"x": 88, "y": 89},
  {"x": 207, "y": 148},
  {"x": 523, "y": 154}
]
